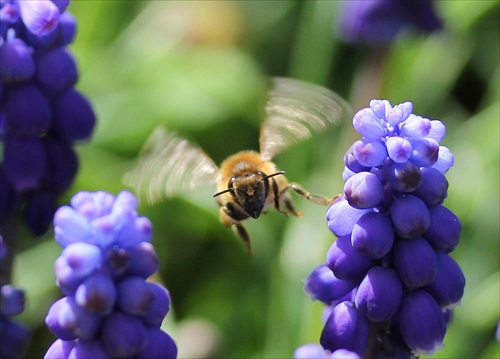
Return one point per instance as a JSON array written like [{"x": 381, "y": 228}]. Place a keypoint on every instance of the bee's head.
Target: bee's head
[{"x": 250, "y": 191}]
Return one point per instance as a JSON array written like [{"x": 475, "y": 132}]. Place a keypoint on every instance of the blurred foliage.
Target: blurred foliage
[{"x": 200, "y": 68}]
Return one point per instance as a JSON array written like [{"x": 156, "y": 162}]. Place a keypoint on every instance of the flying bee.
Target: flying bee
[{"x": 248, "y": 182}]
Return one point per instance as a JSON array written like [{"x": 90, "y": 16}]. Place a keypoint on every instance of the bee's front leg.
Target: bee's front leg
[
  {"x": 311, "y": 197},
  {"x": 230, "y": 216}
]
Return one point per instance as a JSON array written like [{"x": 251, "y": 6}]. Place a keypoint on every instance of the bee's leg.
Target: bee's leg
[
  {"x": 311, "y": 197},
  {"x": 226, "y": 216},
  {"x": 242, "y": 233},
  {"x": 277, "y": 196}
]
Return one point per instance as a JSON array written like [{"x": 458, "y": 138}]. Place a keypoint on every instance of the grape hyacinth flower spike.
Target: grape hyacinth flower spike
[
  {"x": 42, "y": 116},
  {"x": 110, "y": 310},
  {"x": 389, "y": 279}
]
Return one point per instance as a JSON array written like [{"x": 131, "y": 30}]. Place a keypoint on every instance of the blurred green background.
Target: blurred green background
[{"x": 200, "y": 68}]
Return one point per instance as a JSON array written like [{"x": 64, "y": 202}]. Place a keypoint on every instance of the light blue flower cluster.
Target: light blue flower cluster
[{"x": 110, "y": 310}]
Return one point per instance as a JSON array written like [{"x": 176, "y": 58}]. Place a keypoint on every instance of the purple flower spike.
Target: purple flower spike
[
  {"x": 394, "y": 236},
  {"x": 110, "y": 310}
]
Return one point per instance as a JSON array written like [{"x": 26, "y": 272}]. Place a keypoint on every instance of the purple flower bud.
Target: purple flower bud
[
  {"x": 40, "y": 17},
  {"x": 380, "y": 107},
  {"x": 16, "y": 61},
  {"x": 404, "y": 177},
  {"x": 425, "y": 152},
  {"x": 60, "y": 349},
  {"x": 434, "y": 187},
  {"x": 159, "y": 307},
  {"x": 346, "y": 328},
  {"x": 370, "y": 153},
  {"x": 437, "y": 131},
  {"x": 97, "y": 294},
  {"x": 416, "y": 126},
  {"x": 445, "y": 228},
  {"x": 379, "y": 294},
  {"x": 368, "y": 125},
  {"x": 70, "y": 226},
  {"x": 321, "y": 284},
  {"x": 61, "y": 5},
  {"x": 134, "y": 295},
  {"x": 373, "y": 235},
  {"x": 132, "y": 336},
  {"x": 410, "y": 216},
  {"x": 351, "y": 160},
  {"x": 364, "y": 190},
  {"x": 74, "y": 118},
  {"x": 421, "y": 322},
  {"x": 24, "y": 162},
  {"x": 13, "y": 301},
  {"x": 448, "y": 286},
  {"x": 83, "y": 258},
  {"x": 308, "y": 351},
  {"x": 57, "y": 61},
  {"x": 341, "y": 217},
  {"x": 27, "y": 111},
  {"x": 445, "y": 160},
  {"x": 159, "y": 345},
  {"x": 346, "y": 262},
  {"x": 399, "y": 113},
  {"x": 399, "y": 149},
  {"x": 39, "y": 211},
  {"x": 62, "y": 165},
  {"x": 143, "y": 260},
  {"x": 415, "y": 262},
  {"x": 88, "y": 349}
]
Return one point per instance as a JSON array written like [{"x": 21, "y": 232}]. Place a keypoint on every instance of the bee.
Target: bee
[{"x": 248, "y": 182}]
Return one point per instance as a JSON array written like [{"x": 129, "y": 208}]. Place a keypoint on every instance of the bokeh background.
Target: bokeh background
[{"x": 201, "y": 68}]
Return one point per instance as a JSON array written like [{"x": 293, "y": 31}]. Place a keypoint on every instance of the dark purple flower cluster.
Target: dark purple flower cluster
[
  {"x": 41, "y": 114},
  {"x": 14, "y": 336},
  {"x": 388, "y": 278},
  {"x": 110, "y": 310},
  {"x": 377, "y": 22}
]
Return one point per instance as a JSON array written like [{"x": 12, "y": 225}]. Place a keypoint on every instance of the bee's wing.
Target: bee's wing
[
  {"x": 295, "y": 111},
  {"x": 168, "y": 165}
]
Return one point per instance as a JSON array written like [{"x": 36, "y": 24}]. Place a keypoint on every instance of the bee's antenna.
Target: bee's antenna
[
  {"x": 273, "y": 174},
  {"x": 222, "y": 192}
]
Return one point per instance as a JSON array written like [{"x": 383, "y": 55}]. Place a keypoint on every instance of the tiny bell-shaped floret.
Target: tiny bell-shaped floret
[
  {"x": 341, "y": 217},
  {"x": 444, "y": 231},
  {"x": 415, "y": 261},
  {"x": 16, "y": 61},
  {"x": 379, "y": 294},
  {"x": 404, "y": 177},
  {"x": 159, "y": 345},
  {"x": 322, "y": 285},
  {"x": 364, "y": 190},
  {"x": 368, "y": 125},
  {"x": 368, "y": 153},
  {"x": 59, "y": 61},
  {"x": 97, "y": 294},
  {"x": 346, "y": 262},
  {"x": 421, "y": 322},
  {"x": 40, "y": 17},
  {"x": 434, "y": 187},
  {"x": 449, "y": 283},
  {"x": 373, "y": 235},
  {"x": 410, "y": 216},
  {"x": 346, "y": 328},
  {"x": 132, "y": 336}
]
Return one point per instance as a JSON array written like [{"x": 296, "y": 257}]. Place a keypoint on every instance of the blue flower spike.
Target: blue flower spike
[
  {"x": 110, "y": 310},
  {"x": 42, "y": 115},
  {"x": 393, "y": 282}
]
